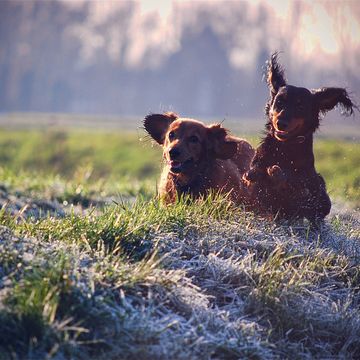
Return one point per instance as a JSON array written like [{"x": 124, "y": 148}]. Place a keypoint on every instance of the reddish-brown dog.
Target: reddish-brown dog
[
  {"x": 199, "y": 158},
  {"x": 282, "y": 177}
]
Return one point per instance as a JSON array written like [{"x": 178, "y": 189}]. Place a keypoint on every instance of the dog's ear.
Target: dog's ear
[
  {"x": 220, "y": 143},
  {"x": 275, "y": 77},
  {"x": 157, "y": 125},
  {"x": 327, "y": 98}
]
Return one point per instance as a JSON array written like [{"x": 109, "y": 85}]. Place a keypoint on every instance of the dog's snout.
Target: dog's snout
[
  {"x": 174, "y": 153},
  {"x": 282, "y": 124}
]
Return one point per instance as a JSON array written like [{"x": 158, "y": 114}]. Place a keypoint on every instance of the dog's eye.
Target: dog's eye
[
  {"x": 299, "y": 106},
  {"x": 194, "y": 139},
  {"x": 279, "y": 103},
  {"x": 171, "y": 135}
]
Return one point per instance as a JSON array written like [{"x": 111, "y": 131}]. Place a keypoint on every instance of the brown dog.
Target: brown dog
[
  {"x": 199, "y": 158},
  {"x": 282, "y": 178}
]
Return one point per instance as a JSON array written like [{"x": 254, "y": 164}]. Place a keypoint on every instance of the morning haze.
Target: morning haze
[{"x": 197, "y": 58}]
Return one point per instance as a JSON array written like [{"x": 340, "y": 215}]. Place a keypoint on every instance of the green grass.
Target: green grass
[
  {"x": 189, "y": 280},
  {"x": 62, "y": 152},
  {"x": 114, "y": 162},
  {"x": 110, "y": 273},
  {"x": 336, "y": 161}
]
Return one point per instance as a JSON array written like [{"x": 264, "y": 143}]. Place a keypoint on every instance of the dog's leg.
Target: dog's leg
[
  {"x": 278, "y": 177},
  {"x": 253, "y": 175}
]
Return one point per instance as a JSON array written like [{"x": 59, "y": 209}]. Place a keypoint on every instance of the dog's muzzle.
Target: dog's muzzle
[{"x": 180, "y": 166}]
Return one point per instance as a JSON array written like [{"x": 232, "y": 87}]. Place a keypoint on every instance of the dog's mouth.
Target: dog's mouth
[
  {"x": 179, "y": 166},
  {"x": 283, "y": 135}
]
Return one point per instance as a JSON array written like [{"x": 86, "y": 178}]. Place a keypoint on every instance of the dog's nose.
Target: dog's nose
[
  {"x": 174, "y": 153},
  {"x": 282, "y": 124}
]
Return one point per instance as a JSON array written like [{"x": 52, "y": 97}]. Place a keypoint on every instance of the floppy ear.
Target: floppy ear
[
  {"x": 157, "y": 125},
  {"x": 327, "y": 98},
  {"x": 220, "y": 143},
  {"x": 275, "y": 77}
]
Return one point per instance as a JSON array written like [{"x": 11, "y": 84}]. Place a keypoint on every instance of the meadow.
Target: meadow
[
  {"x": 128, "y": 162},
  {"x": 92, "y": 266}
]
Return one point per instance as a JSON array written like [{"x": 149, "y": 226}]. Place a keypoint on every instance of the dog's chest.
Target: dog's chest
[{"x": 291, "y": 158}]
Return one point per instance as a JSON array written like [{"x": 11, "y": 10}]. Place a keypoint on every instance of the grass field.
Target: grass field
[
  {"x": 127, "y": 161},
  {"x": 85, "y": 273}
]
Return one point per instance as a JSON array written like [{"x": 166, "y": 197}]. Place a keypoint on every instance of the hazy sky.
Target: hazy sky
[
  {"x": 324, "y": 29},
  {"x": 154, "y": 43}
]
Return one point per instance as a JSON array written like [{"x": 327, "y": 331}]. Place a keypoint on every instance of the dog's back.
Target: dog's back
[
  {"x": 243, "y": 156},
  {"x": 199, "y": 158}
]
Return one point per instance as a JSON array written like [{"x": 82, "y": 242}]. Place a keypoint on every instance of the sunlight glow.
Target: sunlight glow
[
  {"x": 318, "y": 31},
  {"x": 310, "y": 28}
]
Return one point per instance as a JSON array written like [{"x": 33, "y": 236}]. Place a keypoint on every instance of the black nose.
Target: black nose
[
  {"x": 282, "y": 124},
  {"x": 174, "y": 153}
]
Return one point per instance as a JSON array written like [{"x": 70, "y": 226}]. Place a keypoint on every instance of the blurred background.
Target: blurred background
[
  {"x": 77, "y": 77},
  {"x": 199, "y": 58}
]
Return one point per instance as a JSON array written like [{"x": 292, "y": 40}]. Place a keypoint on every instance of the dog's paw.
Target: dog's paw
[
  {"x": 277, "y": 175},
  {"x": 245, "y": 179},
  {"x": 251, "y": 176},
  {"x": 275, "y": 171}
]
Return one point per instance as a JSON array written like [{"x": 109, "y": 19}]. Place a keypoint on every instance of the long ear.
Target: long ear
[
  {"x": 327, "y": 98},
  {"x": 157, "y": 124},
  {"x": 275, "y": 77},
  {"x": 220, "y": 143}
]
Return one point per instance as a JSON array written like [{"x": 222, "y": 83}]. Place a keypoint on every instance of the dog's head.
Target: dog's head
[
  {"x": 188, "y": 145},
  {"x": 294, "y": 111}
]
